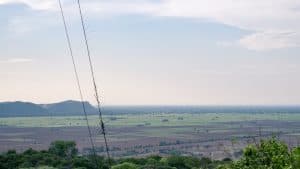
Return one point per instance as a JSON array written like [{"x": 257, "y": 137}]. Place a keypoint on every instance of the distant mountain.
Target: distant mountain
[
  {"x": 10, "y": 109},
  {"x": 69, "y": 107},
  {"x": 13, "y": 109}
]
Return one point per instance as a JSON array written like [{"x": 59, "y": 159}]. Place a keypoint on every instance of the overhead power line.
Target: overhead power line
[
  {"x": 78, "y": 83},
  {"x": 93, "y": 79}
]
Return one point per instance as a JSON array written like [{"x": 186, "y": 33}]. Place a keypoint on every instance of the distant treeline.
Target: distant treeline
[
  {"x": 65, "y": 108},
  {"x": 201, "y": 109},
  {"x": 268, "y": 154}
]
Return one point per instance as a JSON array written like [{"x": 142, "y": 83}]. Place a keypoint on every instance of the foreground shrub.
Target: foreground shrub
[{"x": 270, "y": 154}]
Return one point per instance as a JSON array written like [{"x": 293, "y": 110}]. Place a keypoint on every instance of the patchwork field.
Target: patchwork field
[
  {"x": 153, "y": 119},
  {"x": 217, "y": 135}
]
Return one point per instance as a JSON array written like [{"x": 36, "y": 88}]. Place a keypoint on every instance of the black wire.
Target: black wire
[
  {"x": 78, "y": 82},
  {"x": 93, "y": 79}
]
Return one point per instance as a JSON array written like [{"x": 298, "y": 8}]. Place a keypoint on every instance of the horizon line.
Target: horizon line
[{"x": 160, "y": 105}]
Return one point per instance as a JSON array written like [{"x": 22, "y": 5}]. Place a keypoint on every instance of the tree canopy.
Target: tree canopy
[{"x": 268, "y": 154}]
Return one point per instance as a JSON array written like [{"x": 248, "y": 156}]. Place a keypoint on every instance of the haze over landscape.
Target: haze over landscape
[{"x": 154, "y": 52}]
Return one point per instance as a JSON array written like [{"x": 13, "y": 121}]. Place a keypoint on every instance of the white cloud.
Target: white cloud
[
  {"x": 274, "y": 23},
  {"x": 34, "y": 4},
  {"x": 271, "y": 40},
  {"x": 16, "y": 60}
]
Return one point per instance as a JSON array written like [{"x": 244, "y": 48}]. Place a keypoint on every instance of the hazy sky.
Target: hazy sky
[{"x": 193, "y": 52}]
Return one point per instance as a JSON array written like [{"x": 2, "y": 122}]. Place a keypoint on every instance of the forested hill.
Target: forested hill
[
  {"x": 8, "y": 109},
  {"x": 13, "y": 109},
  {"x": 70, "y": 107}
]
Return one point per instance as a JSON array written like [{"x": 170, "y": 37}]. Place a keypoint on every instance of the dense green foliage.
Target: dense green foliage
[
  {"x": 64, "y": 155},
  {"x": 270, "y": 154}
]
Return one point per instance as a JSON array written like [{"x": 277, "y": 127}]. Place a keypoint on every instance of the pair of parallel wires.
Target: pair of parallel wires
[{"x": 103, "y": 131}]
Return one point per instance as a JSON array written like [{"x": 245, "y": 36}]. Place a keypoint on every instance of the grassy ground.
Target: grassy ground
[{"x": 153, "y": 120}]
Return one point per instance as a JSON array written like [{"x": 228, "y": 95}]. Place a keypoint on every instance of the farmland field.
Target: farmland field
[
  {"x": 153, "y": 120},
  {"x": 217, "y": 135}
]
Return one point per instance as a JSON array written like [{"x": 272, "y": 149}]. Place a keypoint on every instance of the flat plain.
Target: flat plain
[{"x": 217, "y": 135}]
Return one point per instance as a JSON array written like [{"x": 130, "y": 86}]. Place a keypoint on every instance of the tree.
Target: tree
[
  {"x": 296, "y": 157},
  {"x": 63, "y": 148},
  {"x": 183, "y": 162},
  {"x": 271, "y": 154}
]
